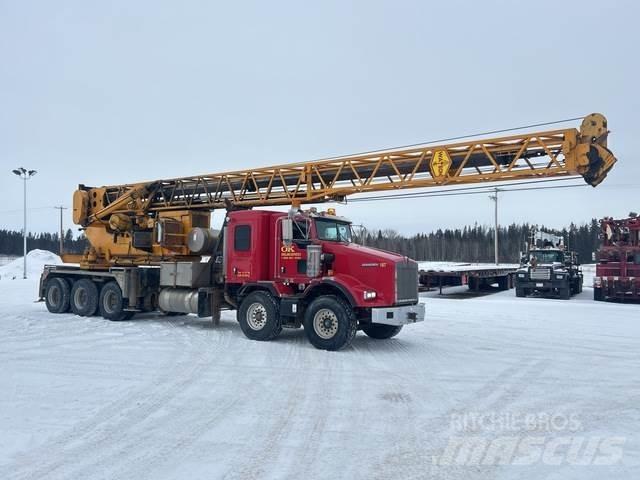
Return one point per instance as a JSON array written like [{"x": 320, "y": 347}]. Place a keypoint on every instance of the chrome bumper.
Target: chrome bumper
[{"x": 398, "y": 315}]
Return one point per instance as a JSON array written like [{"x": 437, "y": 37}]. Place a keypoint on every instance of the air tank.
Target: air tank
[{"x": 202, "y": 241}]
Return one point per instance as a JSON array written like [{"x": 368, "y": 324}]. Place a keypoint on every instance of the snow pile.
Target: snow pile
[{"x": 36, "y": 260}]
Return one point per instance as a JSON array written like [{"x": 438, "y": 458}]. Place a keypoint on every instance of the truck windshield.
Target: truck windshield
[
  {"x": 547, "y": 256},
  {"x": 332, "y": 230}
]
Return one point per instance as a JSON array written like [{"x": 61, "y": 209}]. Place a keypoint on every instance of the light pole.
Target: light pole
[
  {"x": 25, "y": 175},
  {"x": 495, "y": 226}
]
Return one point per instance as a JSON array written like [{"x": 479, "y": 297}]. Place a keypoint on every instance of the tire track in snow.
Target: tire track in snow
[{"x": 83, "y": 440}]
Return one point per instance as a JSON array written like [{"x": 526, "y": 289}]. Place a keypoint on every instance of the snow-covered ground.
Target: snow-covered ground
[
  {"x": 542, "y": 386},
  {"x": 36, "y": 259}
]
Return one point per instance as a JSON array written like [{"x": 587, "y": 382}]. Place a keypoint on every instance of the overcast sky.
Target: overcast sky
[{"x": 108, "y": 92}]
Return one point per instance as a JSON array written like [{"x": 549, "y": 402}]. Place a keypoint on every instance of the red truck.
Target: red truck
[
  {"x": 618, "y": 260},
  {"x": 279, "y": 270}
]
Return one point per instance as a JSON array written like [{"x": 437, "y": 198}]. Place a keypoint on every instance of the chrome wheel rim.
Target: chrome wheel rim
[
  {"x": 325, "y": 323},
  {"x": 256, "y": 316}
]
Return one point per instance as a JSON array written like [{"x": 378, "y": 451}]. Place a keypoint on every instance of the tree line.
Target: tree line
[
  {"x": 476, "y": 243},
  {"x": 468, "y": 244},
  {"x": 11, "y": 242}
]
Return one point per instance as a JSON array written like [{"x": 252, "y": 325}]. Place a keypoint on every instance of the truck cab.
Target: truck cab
[
  {"x": 304, "y": 268},
  {"x": 549, "y": 270}
]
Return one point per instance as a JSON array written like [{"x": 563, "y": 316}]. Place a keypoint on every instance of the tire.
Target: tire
[
  {"x": 56, "y": 295},
  {"x": 380, "y": 331},
  {"x": 520, "y": 292},
  {"x": 111, "y": 303},
  {"x": 565, "y": 293},
  {"x": 259, "y": 316},
  {"x": 330, "y": 323},
  {"x": 597, "y": 295},
  {"x": 84, "y": 298}
]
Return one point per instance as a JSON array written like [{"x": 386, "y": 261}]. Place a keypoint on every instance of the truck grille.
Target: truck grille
[
  {"x": 406, "y": 282},
  {"x": 540, "y": 274}
]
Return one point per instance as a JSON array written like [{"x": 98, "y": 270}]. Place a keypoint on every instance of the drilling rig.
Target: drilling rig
[{"x": 151, "y": 246}]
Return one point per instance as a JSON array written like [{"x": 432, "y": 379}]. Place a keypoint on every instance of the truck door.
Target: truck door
[
  {"x": 240, "y": 258},
  {"x": 291, "y": 261}
]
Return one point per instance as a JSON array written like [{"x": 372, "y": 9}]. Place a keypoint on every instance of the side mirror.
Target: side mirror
[{"x": 287, "y": 231}]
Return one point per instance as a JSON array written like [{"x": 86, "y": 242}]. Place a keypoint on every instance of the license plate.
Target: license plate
[{"x": 539, "y": 284}]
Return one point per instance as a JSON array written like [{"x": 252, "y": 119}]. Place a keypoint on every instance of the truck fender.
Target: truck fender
[{"x": 330, "y": 287}]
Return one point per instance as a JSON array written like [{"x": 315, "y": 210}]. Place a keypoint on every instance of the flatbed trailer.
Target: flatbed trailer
[{"x": 476, "y": 276}]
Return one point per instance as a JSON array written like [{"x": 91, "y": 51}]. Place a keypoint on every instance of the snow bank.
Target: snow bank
[{"x": 36, "y": 259}]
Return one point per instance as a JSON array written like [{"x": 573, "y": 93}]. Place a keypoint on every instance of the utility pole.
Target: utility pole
[
  {"x": 25, "y": 175},
  {"x": 494, "y": 197},
  {"x": 61, "y": 208}
]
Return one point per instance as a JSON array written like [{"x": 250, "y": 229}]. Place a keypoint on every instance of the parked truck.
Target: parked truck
[
  {"x": 618, "y": 260},
  {"x": 151, "y": 246},
  {"x": 548, "y": 268}
]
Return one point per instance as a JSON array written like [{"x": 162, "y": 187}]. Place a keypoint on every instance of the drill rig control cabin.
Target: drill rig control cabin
[{"x": 152, "y": 247}]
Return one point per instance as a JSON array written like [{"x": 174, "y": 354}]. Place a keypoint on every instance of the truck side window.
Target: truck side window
[
  {"x": 300, "y": 230},
  {"x": 242, "y": 238}
]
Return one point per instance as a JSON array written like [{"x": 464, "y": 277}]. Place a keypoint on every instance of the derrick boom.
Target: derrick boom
[{"x": 143, "y": 222}]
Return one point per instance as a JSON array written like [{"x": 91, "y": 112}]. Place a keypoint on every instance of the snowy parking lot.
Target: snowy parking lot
[{"x": 175, "y": 397}]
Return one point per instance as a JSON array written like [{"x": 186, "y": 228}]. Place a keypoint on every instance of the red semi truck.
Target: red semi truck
[
  {"x": 618, "y": 260},
  {"x": 277, "y": 269}
]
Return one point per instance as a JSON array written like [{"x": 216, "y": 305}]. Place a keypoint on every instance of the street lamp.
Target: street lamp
[{"x": 25, "y": 175}]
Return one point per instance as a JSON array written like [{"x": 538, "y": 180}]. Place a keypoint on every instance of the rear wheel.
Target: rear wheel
[
  {"x": 84, "y": 297},
  {"x": 259, "y": 316},
  {"x": 112, "y": 303},
  {"x": 330, "y": 323},
  {"x": 56, "y": 295},
  {"x": 380, "y": 331}
]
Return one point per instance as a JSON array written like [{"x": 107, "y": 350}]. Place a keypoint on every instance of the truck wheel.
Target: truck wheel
[
  {"x": 381, "y": 331},
  {"x": 112, "y": 303},
  {"x": 565, "y": 293},
  {"x": 330, "y": 323},
  {"x": 84, "y": 297},
  {"x": 259, "y": 316},
  {"x": 597, "y": 295},
  {"x": 57, "y": 294},
  {"x": 520, "y": 292}
]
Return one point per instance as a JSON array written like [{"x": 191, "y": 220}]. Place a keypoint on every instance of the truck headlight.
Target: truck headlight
[
  {"x": 521, "y": 275},
  {"x": 559, "y": 277},
  {"x": 597, "y": 282},
  {"x": 369, "y": 295}
]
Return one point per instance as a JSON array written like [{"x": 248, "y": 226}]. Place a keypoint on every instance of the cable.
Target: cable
[
  {"x": 455, "y": 190},
  {"x": 489, "y": 132},
  {"x": 486, "y": 190}
]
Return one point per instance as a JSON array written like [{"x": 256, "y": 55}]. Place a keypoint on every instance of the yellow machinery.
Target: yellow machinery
[{"x": 146, "y": 223}]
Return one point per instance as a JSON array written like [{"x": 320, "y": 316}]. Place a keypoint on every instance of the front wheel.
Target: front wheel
[
  {"x": 259, "y": 316},
  {"x": 520, "y": 292},
  {"x": 380, "y": 331},
  {"x": 565, "y": 293},
  {"x": 330, "y": 323}
]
